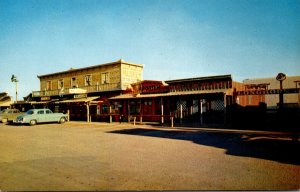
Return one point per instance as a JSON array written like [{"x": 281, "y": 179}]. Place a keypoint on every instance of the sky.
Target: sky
[{"x": 173, "y": 39}]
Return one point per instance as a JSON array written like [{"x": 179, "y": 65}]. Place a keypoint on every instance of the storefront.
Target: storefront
[{"x": 195, "y": 100}]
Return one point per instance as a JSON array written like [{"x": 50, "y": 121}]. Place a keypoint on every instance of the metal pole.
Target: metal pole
[
  {"x": 281, "y": 96},
  {"x": 16, "y": 91}
]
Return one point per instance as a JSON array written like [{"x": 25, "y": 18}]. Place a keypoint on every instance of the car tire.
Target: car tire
[
  {"x": 62, "y": 120},
  {"x": 32, "y": 122},
  {"x": 4, "y": 121}
]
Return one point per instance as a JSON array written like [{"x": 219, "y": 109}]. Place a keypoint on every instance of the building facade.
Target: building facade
[
  {"x": 116, "y": 91},
  {"x": 115, "y": 76},
  {"x": 84, "y": 92},
  {"x": 263, "y": 87},
  {"x": 5, "y": 100},
  {"x": 201, "y": 100}
]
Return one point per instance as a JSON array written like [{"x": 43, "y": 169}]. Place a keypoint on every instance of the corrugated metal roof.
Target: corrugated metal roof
[{"x": 133, "y": 96}]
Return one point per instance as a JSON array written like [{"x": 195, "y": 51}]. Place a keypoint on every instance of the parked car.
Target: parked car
[
  {"x": 8, "y": 115},
  {"x": 34, "y": 116}
]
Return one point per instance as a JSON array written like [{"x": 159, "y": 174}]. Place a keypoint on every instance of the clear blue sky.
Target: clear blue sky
[{"x": 172, "y": 38}]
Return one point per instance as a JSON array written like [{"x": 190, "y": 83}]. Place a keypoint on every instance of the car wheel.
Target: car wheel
[
  {"x": 4, "y": 120},
  {"x": 32, "y": 122},
  {"x": 62, "y": 120}
]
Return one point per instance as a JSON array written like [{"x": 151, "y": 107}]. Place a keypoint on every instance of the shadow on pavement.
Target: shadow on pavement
[{"x": 270, "y": 147}]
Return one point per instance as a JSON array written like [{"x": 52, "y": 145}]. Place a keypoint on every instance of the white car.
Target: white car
[{"x": 34, "y": 116}]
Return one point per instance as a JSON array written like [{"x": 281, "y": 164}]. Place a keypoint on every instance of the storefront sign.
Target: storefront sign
[
  {"x": 77, "y": 90},
  {"x": 80, "y": 96},
  {"x": 267, "y": 92},
  {"x": 148, "y": 87},
  {"x": 45, "y": 98}
]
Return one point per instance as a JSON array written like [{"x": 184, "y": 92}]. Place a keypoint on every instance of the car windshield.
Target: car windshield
[{"x": 30, "y": 112}]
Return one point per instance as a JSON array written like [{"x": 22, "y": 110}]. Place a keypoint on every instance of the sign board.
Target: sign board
[
  {"x": 45, "y": 98},
  {"x": 267, "y": 92},
  {"x": 77, "y": 90},
  {"x": 80, "y": 96}
]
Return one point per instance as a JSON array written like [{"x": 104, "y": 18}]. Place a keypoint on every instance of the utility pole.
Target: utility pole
[{"x": 15, "y": 80}]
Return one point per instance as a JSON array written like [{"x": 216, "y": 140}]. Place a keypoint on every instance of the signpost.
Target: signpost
[{"x": 281, "y": 77}]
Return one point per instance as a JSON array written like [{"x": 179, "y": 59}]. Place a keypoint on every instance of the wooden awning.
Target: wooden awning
[{"x": 80, "y": 100}]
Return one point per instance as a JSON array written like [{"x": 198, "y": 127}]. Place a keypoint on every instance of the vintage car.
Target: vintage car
[
  {"x": 8, "y": 115},
  {"x": 34, "y": 116}
]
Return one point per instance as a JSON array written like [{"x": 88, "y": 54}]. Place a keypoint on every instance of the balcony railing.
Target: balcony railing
[{"x": 78, "y": 90}]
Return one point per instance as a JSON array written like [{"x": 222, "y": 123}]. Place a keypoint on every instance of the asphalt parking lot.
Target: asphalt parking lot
[{"x": 102, "y": 156}]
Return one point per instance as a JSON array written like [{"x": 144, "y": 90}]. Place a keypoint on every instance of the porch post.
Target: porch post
[
  {"x": 181, "y": 115},
  {"x": 110, "y": 117},
  {"x": 128, "y": 109},
  {"x": 225, "y": 105},
  {"x": 141, "y": 108},
  {"x": 162, "y": 110},
  {"x": 201, "y": 111},
  {"x": 68, "y": 113},
  {"x": 88, "y": 111}
]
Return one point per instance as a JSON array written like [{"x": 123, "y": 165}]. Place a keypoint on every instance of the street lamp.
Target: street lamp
[{"x": 15, "y": 80}]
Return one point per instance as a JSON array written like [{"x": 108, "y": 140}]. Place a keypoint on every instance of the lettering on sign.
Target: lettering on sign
[{"x": 267, "y": 92}]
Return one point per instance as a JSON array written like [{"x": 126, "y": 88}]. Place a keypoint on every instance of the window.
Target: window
[
  {"x": 104, "y": 78},
  {"x": 74, "y": 82},
  {"x": 40, "y": 112},
  {"x": 88, "y": 80},
  {"x": 60, "y": 84},
  {"x": 30, "y": 112},
  {"x": 48, "y": 86},
  {"x": 48, "y": 111}
]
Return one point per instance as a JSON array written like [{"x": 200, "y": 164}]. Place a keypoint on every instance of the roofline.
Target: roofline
[
  {"x": 121, "y": 61},
  {"x": 268, "y": 78},
  {"x": 198, "y": 79}
]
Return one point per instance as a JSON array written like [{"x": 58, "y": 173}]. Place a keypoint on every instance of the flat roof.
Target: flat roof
[{"x": 121, "y": 61}]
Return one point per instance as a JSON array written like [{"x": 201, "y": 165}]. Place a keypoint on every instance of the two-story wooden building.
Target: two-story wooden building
[{"x": 84, "y": 92}]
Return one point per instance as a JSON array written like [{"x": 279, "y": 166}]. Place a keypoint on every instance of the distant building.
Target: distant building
[
  {"x": 272, "y": 100},
  {"x": 5, "y": 100}
]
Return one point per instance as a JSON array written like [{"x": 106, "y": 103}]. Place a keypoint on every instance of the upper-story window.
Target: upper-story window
[
  {"x": 60, "y": 84},
  {"x": 104, "y": 78},
  {"x": 88, "y": 80},
  {"x": 74, "y": 82},
  {"x": 49, "y": 85}
]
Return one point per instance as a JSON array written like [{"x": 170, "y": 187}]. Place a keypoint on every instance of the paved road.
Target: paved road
[{"x": 101, "y": 156}]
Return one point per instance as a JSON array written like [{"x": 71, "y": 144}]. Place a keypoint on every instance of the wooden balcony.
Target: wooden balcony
[{"x": 78, "y": 90}]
